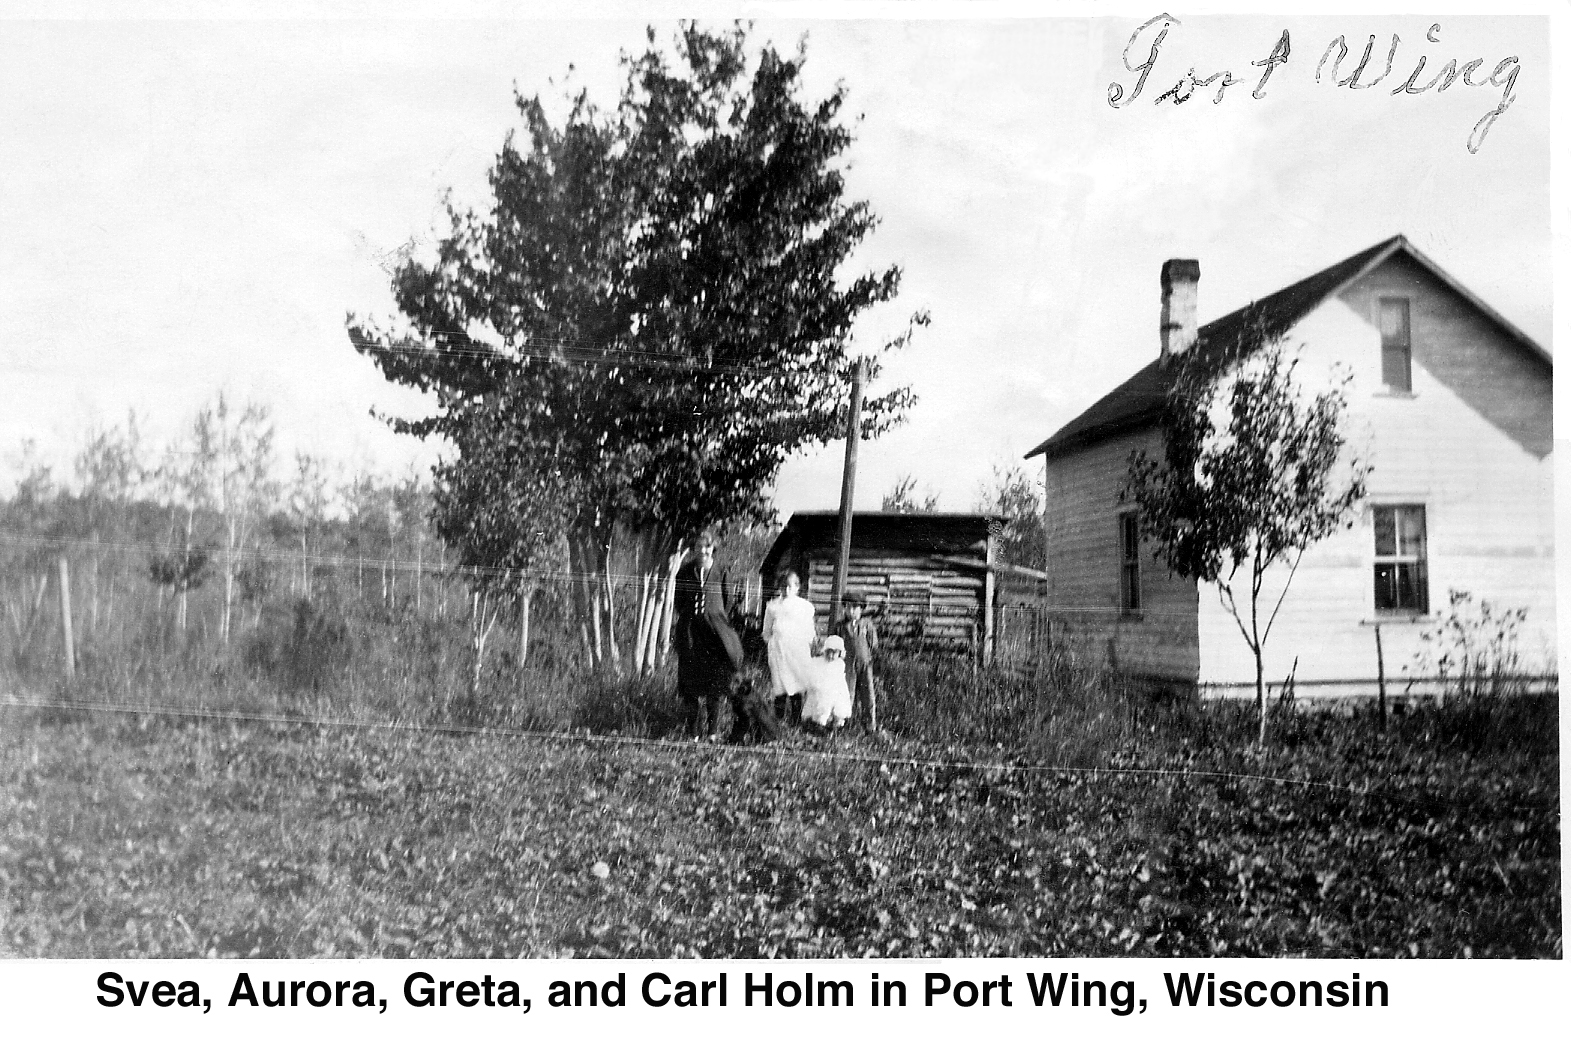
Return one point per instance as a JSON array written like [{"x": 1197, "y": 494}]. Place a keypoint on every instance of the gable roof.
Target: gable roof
[
  {"x": 917, "y": 532},
  {"x": 1138, "y": 401}
]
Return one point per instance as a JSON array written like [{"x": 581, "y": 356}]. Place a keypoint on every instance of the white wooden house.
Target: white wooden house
[{"x": 1449, "y": 403}]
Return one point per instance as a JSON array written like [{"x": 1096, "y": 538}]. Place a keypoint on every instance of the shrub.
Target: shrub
[
  {"x": 1056, "y": 708},
  {"x": 303, "y": 649},
  {"x": 1474, "y": 649}
]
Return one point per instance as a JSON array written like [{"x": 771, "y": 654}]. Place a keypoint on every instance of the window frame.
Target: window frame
[
  {"x": 1388, "y": 347},
  {"x": 1131, "y": 592},
  {"x": 1398, "y": 559}
]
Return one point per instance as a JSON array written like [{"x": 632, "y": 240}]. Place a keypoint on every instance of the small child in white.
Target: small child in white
[{"x": 827, "y": 703}]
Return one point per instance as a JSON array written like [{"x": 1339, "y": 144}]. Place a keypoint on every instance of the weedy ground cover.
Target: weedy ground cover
[{"x": 145, "y": 836}]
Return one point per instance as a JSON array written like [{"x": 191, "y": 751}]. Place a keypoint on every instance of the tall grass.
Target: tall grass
[{"x": 1051, "y": 708}]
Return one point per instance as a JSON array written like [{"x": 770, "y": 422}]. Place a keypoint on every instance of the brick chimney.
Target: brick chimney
[{"x": 1180, "y": 306}]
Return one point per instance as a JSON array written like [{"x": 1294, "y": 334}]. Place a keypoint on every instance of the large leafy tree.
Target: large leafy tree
[
  {"x": 1253, "y": 474},
  {"x": 648, "y": 320}
]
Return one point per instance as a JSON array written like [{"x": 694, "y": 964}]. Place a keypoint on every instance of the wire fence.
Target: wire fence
[
  {"x": 69, "y": 602},
  {"x": 112, "y": 580},
  {"x": 746, "y": 585}
]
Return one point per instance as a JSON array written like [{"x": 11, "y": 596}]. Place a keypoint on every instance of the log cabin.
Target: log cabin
[
  {"x": 1447, "y": 402},
  {"x": 928, "y": 578}
]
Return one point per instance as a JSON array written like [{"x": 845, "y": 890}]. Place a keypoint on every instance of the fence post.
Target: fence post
[
  {"x": 65, "y": 619},
  {"x": 1380, "y": 673}
]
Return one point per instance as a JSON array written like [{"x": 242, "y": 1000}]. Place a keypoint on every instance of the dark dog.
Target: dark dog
[{"x": 752, "y": 713}]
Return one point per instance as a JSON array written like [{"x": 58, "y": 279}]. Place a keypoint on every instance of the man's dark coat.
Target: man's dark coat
[{"x": 708, "y": 650}]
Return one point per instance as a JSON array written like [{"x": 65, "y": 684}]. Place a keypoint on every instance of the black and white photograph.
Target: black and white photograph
[{"x": 766, "y": 484}]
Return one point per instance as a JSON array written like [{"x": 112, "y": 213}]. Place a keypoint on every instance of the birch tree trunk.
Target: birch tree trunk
[
  {"x": 589, "y": 552},
  {"x": 657, "y": 612},
  {"x": 668, "y": 612},
  {"x": 185, "y": 579},
  {"x": 484, "y": 621},
  {"x": 229, "y": 582},
  {"x": 646, "y": 608},
  {"x": 580, "y": 595},
  {"x": 610, "y": 611},
  {"x": 598, "y": 645},
  {"x": 523, "y": 626},
  {"x": 92, "y": 615}
]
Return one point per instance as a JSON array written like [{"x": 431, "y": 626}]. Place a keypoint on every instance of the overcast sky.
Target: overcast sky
[{"x": 188, "y": 206}]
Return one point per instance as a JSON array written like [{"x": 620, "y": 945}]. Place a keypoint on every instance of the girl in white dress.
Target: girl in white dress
[
  {"x": 789, "y": 630},
  {"x": 828, "y": 701}
]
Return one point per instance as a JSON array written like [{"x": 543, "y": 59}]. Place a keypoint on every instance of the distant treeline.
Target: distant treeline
[
  {"x": 195, "y": 541},
  {"x": 212, "y": 537}
]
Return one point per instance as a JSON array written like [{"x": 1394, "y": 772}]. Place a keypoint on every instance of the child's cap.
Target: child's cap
[
  {"x": 854, "y": 598},
  {"x": 835, "y": 643}
]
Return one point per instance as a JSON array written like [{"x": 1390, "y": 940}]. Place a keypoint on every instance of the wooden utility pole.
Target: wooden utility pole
[
  {"x": 65, "y": 620},
  {"x": 848, "y": 489}
]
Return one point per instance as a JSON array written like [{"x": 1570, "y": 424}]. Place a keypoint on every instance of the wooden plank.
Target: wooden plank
[{"x": 991, "y": 566}]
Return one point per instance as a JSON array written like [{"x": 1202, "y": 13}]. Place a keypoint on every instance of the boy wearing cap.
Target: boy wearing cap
[{"x": 861, "y": 640}]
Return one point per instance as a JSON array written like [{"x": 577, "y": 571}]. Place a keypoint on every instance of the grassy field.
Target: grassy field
[{"x": 145, "y": 836}]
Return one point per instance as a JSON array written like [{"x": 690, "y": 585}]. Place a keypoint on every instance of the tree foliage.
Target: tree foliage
[
  {"x": 650, "y": 317},
  {"x": 222, "y": 469},
  {"x": 907, "y": 496},
  {"x": 111, "y": 466},
  {"x": 1253, "y": 474},
  {"x": 1016, "y": 496}
]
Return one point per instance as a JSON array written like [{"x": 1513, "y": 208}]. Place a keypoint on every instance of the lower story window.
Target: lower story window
[
  {"x": 1401, "y": 559},
  {"x": 1129, "y": 563}
]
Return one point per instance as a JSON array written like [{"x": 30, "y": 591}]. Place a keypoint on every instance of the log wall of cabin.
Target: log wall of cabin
[
  {"x": 1083, "y": 563},
  {"x": 1471, "y": 442},
  {"x": 917, "y": 602}
]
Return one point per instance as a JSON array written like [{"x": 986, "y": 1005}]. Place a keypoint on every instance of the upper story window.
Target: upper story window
[
  {"x": 1129, "y": 563},
  {"x": 1401, "y": 559},
  {"x": 1396, "y": 344}
]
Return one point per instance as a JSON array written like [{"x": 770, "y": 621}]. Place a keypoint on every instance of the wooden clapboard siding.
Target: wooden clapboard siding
[
  {"x": 1083, "y": 504},
  {"x": 1472, "y": 443}
]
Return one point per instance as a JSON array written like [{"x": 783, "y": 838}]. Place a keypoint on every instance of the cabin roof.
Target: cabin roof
[
  {"x": 923, "y": 533},
  {"x": 1138, "y": 401}
]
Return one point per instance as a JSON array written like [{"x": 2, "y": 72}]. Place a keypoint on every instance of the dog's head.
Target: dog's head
[{"x": 748, "y": 680}]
